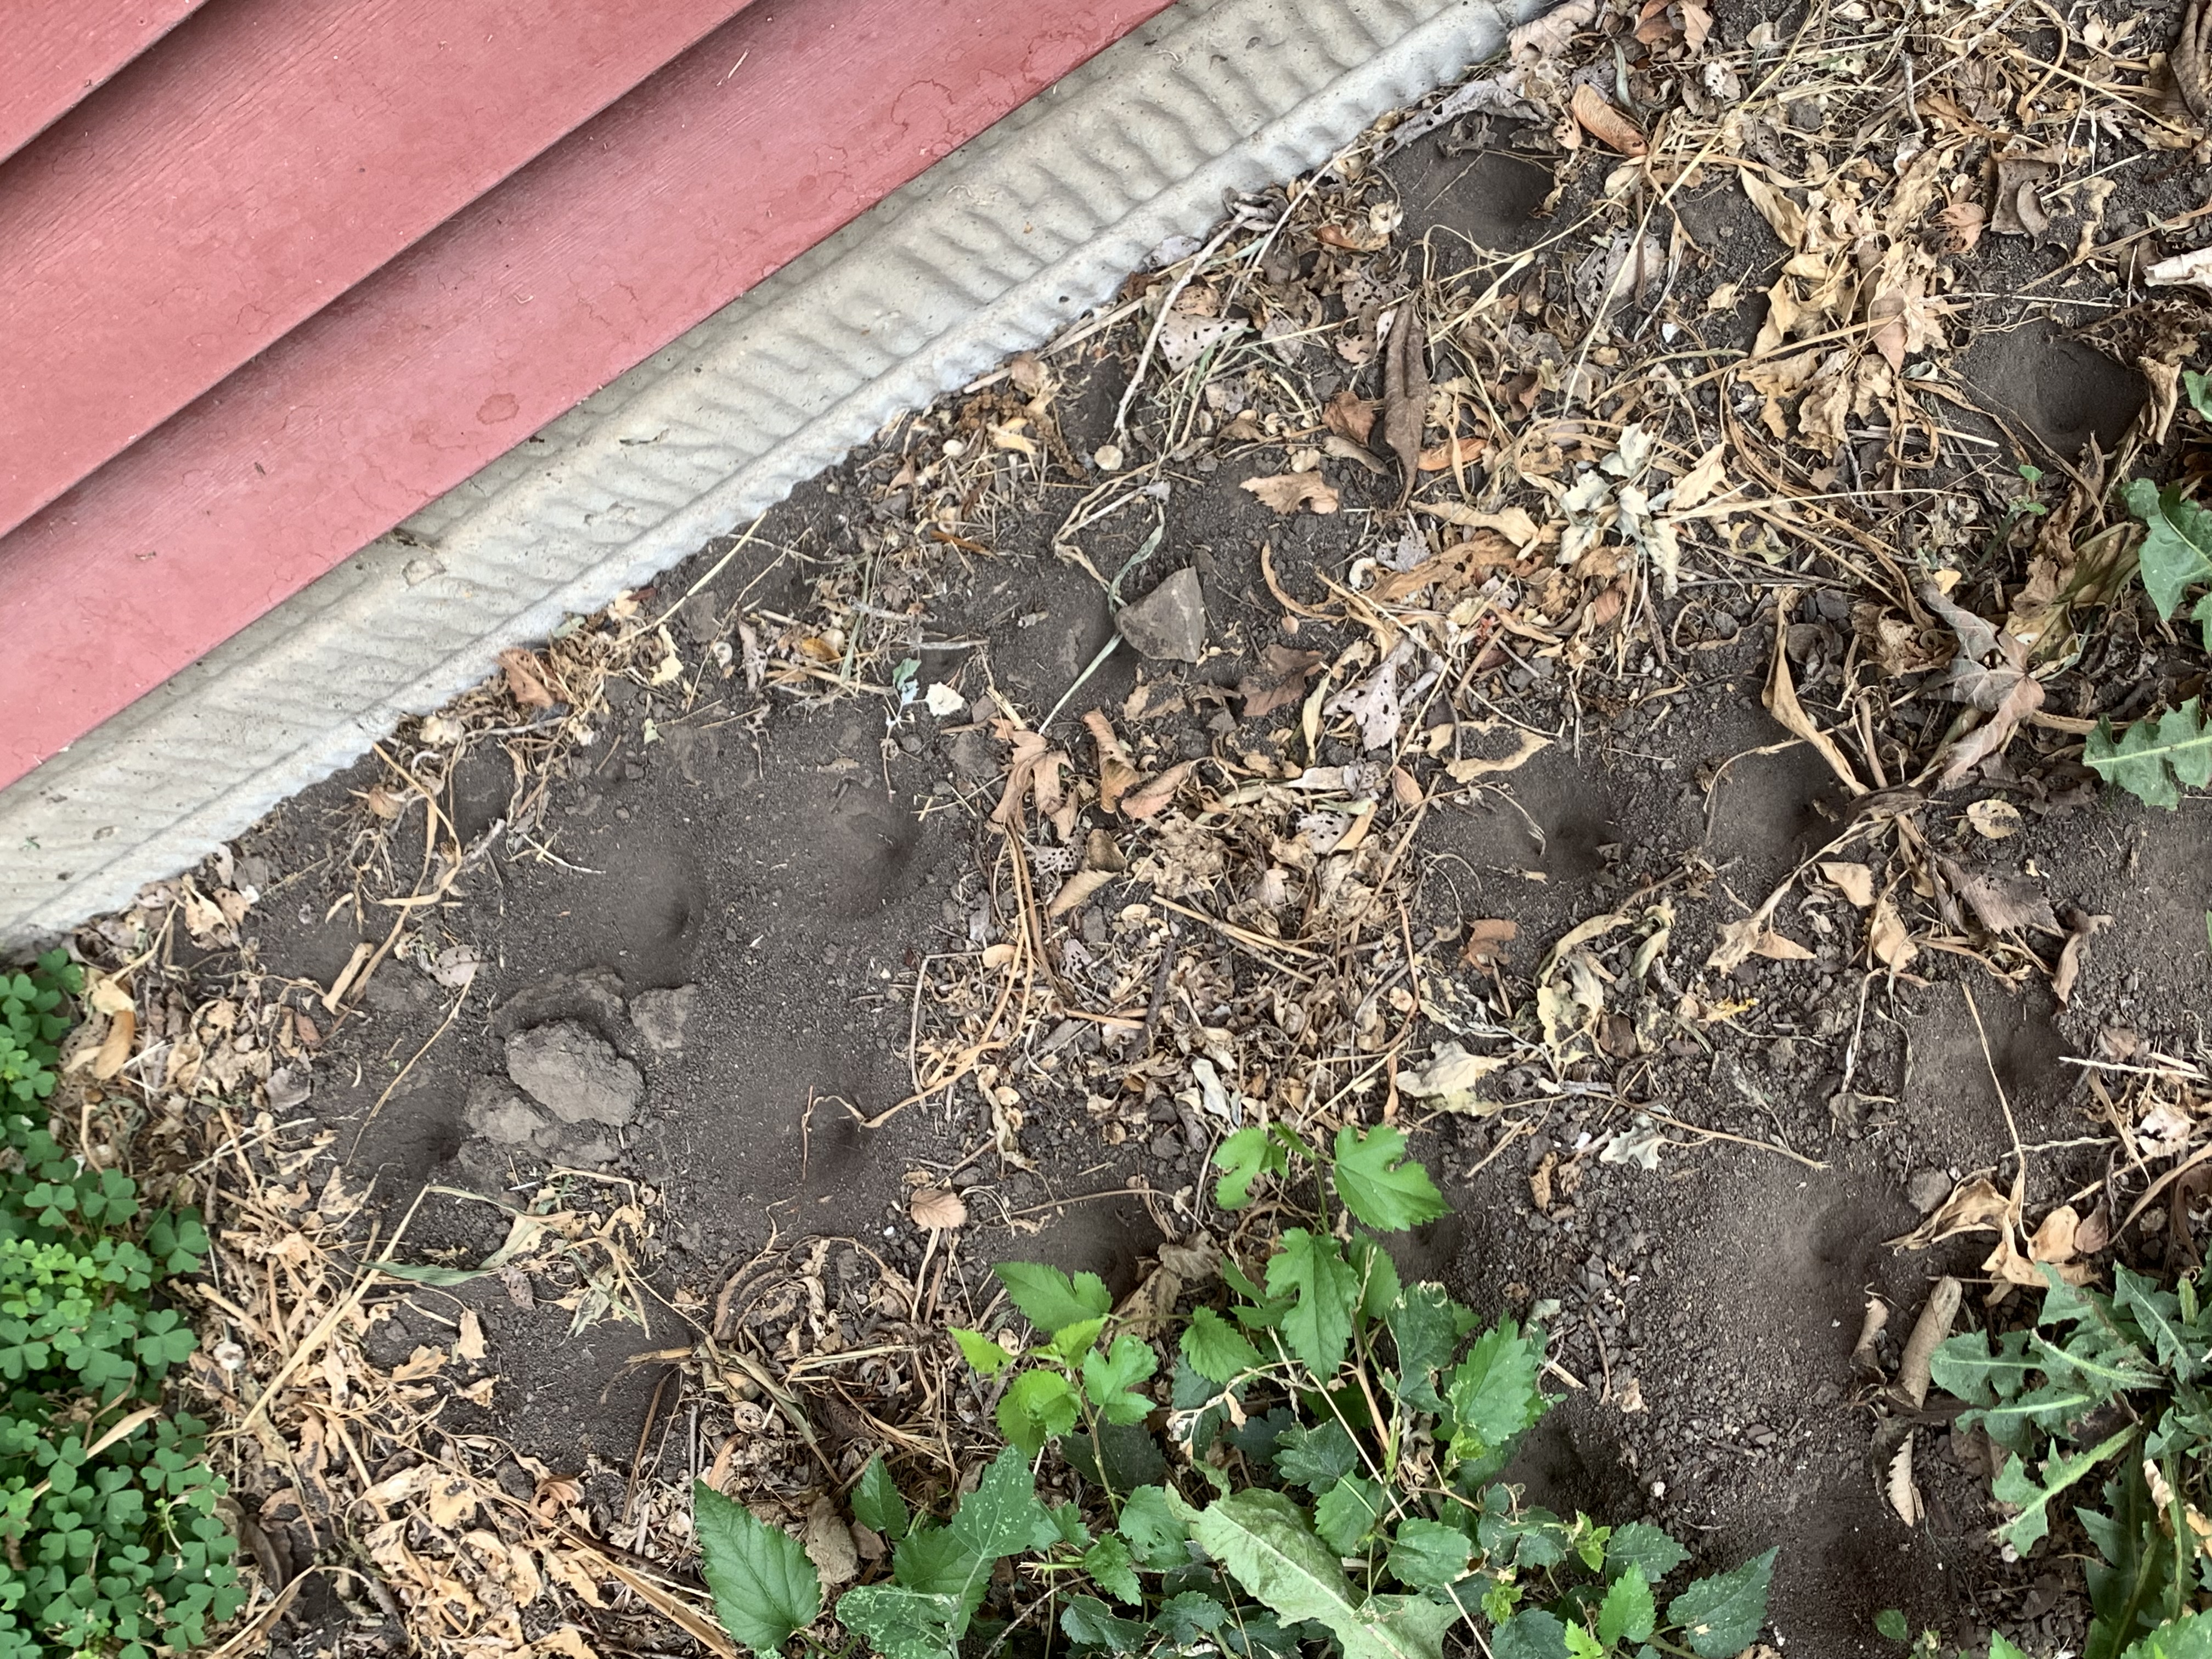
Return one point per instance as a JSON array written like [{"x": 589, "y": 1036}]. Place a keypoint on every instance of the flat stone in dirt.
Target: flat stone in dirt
[
  {"x": 662, "y": 1016},
  {"x": 1167, "y": 624},
  {"x": 573, "y": 1074}
]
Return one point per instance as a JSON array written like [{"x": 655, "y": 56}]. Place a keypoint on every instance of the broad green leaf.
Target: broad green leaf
[
  {"x": 1002, "y": 1516},
  {"x": 1720, "y": 1616},
  {"x": 1317, "y": 1457},
  {"x": 876, "y": 1503},
  {"x": 1889, "y": 1623},
  {"x": 2185, "y": 1639},
  {"x": 1070, "y": 1342},
  {"x": 1426, "y": 1324},
  {"x": 2017, "y": 1484},
  {"x": 1242, "y": 1158},
  {"x": 2177, "y": 545},
  {"x": 1154, "y": 1531},
  {"x": 1263, "y": 1542},
  {"x": 2198, "y": 389},
  {"x": 900, "y": 1623},
  {"x": 1428, "y": 1555},
  {"x": 1317, "y": 1326},
  {"x": 764, "y": 1586},
  {"x": 2155, "y": 755},
  {"x": 1217, "y": 1350},
  {"x": 1581, "y": 1644},
  {"x": 1049, "y": 1299},
  {"x": 1067, "y": 1520},
  {"x": 980, "y": 1351},
  {"x": 2001, "y": 1648},
  {"x": 1110, "y": 1379},
  {"x": 1378, "y": 1276},
  {"x": 1533, "y": 1538},
  {"x": 937, "y": 1561},
  {"x": 1626, "y": 1613},
  {"x": 1379, "y": 1184},
  {"x": 1348, "y": 1512},
  {"x": 1530, "y": 1634},
  {"x": 1108, "y": 1563},
  {"x": 1041, "y": 1406},
  {"x": 1493, "y": 1395},
  {"x": 1090, "y": 1623},
  {"x": 2158, "y": 1313}
]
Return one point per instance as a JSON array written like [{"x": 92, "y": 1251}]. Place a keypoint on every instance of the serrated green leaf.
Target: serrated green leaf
[
  {"x": 1002, "y": 1516},
  {"x": 2184, "y": 1638},
  {"x": 2177, "y": 545},
  {"x": 1720, "y": 1616},
  {"x": 1154, "y": 1531},
  {"x": 1110, "y": 1379},
  {"x": 1315, "y": 1457},
  {"x": 1070, "y": 1342},
  {"x": 1494, "y": 1396},
  {"x": 1242, "y": 1158},
  {"x": 2155, "y": 755},
  {"x": 1532, "y": 1634},
  {"x": 1262, "y": 1541},
  {"x": 937, "y": 1561},
  {"x": 1109, "y": 1563},
  {"x": 1041, "y": 1406},
  {"x": 1428, "y": 1555},
  {"x": 1379, "y": 1184},
  {"x": 2198, "y": 389},
  {"x": 1217, "y": 1350},
  {"x": 2133, "y": 1588},
  {"x": 1049, "y": 1299},
  {"x": 981, "y": 1353},
  {"x": 1317, "y": 1326},
  {"x": 1088, "y": 1622},
  {"x": 1348, "y": 1512},
  {"x": 2018, "y": 1485},
  {"x": 2157, "y": 1314},
  {"x": 1581, "y": 1644},
  {"x": 900, "y": 1623},
  {"x": 2001, "y": 1648},
  {"x": 876, "y": 1503},
  {"x": 1627, "y": 1613},
  {"x": 1377, "y": 1274},
  {"x": 764, "y": 1587},
  {"x": 1188, "y": 1614}
]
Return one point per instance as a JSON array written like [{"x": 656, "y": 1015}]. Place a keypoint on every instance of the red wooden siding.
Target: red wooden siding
[
  {"x": 266, "y": 157},
  {"x": 52, "y": 52},
  {"x": 783, "y": 125}
]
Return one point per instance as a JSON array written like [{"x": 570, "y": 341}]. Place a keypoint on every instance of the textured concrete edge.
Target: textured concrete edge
[{"x": 993, "y": 251}]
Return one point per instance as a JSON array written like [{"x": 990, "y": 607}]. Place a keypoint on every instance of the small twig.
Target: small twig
[{"x": 1722, "y": 1134}]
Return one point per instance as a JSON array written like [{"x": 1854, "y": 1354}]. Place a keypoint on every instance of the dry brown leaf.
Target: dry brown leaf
[
  {"x": 469, "y": 1343},
  {"x": 2001, "y": 903},
  {"x": 1599, "y": 118},
  {"x": 567, "y": 1641},
  {"x": 525, "y": 684},
  {"x": 937, "y": 1207},
  {"x": 1117, "y": 773},
  {"x": 1777, "y": 947},
  {"x": 2080, "y": 927},
  {"x": 828, "y": 1543},
  {"x": 1349, "y": 416},
  {"x": 1146, "y": 802},
  {"x": 1525, "y": 743},
  {"x": 1548, "y": 36},
  {"x": 1963, "y": 223},
  {"x": 2025, "y": 697},
  {"x": 423, "y": 1362},
  {"x": 1487, "y": 942},
  {"x": 1786, "y": 217},
  {"x": 1280, "y": 682},
  {"x": 1872, "y": 1323},
  {"x": 1994, "y": 819},
  {"x": 1406, "y": 391},
  {"x": 1459, "y": 452},
  {"x": 1695, "y": 485},
  {"x": 1286, "y": 492},
  {"x": 1904, "y": 1496},
  {"x": 1888, "y": 939},
  {"x": 1076, "y": 889},
  {"x": 1975, "y": 1206},
  {"x": 1854, "y": 881},
  {"x": 1781, "y": 699},
  {"x": 1513, "y": 523},
  {"x": 2054, "y": 1240},
  {"x": 114, "y": 1051}
]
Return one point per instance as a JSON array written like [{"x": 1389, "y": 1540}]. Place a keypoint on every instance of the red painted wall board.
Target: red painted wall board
[
  {"x": 774, "y": 130},
  {"x": 54, "y": 52},
  {"x": 260, "y": 162}
]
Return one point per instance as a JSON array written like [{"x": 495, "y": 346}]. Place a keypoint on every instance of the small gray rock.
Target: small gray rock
[
  {"x": 1927, "y": 1189},
  {"x": 1169, "y": 622},
  {"x": 662, "y": 1016},
  {"x": 592, "y": 995},
  {"x": 500, "y": 1115},
  {"x": 574, "y": 1075}
]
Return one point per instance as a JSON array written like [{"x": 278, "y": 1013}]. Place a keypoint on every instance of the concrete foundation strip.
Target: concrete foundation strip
[{"x": 993, "y": 249}]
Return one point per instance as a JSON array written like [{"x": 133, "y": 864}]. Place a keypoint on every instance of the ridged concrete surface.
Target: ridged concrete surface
[{"x": 991, "y": 252}]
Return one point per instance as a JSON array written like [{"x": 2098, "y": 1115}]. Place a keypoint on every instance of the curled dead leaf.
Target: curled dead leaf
[
  {"x": 1599, "y": 118},
  {"x": 1904, "y": 1496},
  {"x": 1076, "y": 889},
  {"x": 937, "y": 1207},
  {"x": 525, "y": 684},
  {"x": 1349, "y": 416},
  {"x": 1286, "y": 492},
  {"x": 1887, "y": 937},
  {"x": 1872, "y": 1323},
  {"x": 1777, "y": 947},
  {"x": 1929, "y": 1331},
  {"x": 1459, "y": 452},
  {"x": 1117, "y": 773},
  {"x": 1487, "y": 940},
  {"x": 1994, "y": 819},
  {"x": 2080, "y": 927},
  {"x": 1854, "y": 881},
  {"x": 1147, "y": 801}
]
